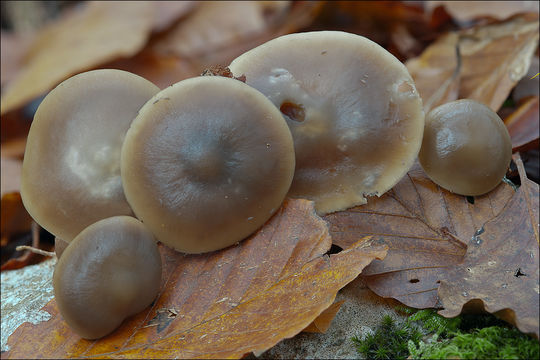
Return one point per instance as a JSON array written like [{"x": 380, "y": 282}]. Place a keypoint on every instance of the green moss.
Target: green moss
[
  {"x": 426, "y": 335},
  {"x": 494, "y": 342},
  {"x": 389, "y": 341}
]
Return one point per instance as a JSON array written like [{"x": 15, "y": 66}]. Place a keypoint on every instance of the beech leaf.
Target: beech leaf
[
  {"x": 490, "y": 60},
  {"x": 79, "y": 41},
  {"x": 500, "y": 271},
  {"x": 426, "y": 229},
  {"x": 224, "y": 304},
  {"x": 14, "y": 217},
  {"x": 524, "y": 125}
]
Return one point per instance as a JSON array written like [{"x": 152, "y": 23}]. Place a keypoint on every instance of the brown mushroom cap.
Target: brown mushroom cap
[
  {"x": 71, "y": 168},
  {"x": 352, "y": 107},
  {"x": 206, "y": 163},
  {"x": 466, "y": 147},
  {"x": 110, "y": 271}
]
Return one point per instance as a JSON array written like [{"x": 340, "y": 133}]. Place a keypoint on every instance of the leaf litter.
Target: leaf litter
[{"x": 242, "y": 299}]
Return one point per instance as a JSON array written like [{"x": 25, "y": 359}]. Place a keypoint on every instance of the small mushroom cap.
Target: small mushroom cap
[
  {"x": 71, "y": 168},
  {"x": 110, "y": 271},
  {"x": 206, "y": 163},
  {"x": 466, "y": 147},
  {"x": 352, "y": 107}
]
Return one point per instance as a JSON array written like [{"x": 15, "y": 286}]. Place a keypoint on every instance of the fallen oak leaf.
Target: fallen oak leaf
[
  {"x": 425, "y": 228},
  {"x": 228, "y": 303},
  {"x": 500, "y": 271}
]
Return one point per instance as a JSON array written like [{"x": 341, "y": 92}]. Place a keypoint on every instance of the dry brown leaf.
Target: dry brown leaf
[
  {"x": 206, "y": 38},
  {"x": 28, "y": 255},
  {"x": 10, "y": 175},
  {"x": 492, "y": 59},
  {"x": 426, "y": 229},
  {"x": 161, "y": 70},
  {"x": 322, "y": 323},
  {"x": 14, "y": 217},
  {"x": 99, "y": 32},
  {"x": 524, "y": 125},
  {"x": 215, "y": 25},
  {"x": 223, "y": 304},
  {"x": 464, "y": 11},
  {"x": 13, "y": 148},
  {"x": 12, "y": 50},
  {"x": 500, "y": 271},
  {"x": 167, "y": 12}
]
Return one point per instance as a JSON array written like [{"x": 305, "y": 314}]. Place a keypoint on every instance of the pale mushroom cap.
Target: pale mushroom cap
[
  {"x": 466, "y": 147},
  {"x": 71, "y": 168},
  {"x": 206, "y": 163},
  {"x": 110, "y": 271},
  {"x": 359, "y": 118}
]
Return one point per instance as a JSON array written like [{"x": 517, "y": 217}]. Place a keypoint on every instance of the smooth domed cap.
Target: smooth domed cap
[
  {"x": 71, "y": 168},
  {"x": 206, "y": 163},
  {"x": 352, "y": 107},
  {"x": 466, "y": 147},
  {"x": 110, "y": 271}
]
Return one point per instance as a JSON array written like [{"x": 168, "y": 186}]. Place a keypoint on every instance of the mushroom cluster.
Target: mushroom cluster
[{"x": 202, "y": 164}]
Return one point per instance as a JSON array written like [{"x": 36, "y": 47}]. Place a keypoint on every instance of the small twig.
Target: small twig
[{"x": 35, "y": 250}]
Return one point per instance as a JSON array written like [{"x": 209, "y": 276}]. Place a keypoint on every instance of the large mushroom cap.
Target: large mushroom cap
[
  {"x": 110, "y": 271},
  {"x": 71, "y": 168},
  {"x": 206, "y": 162},
  {"x": 466, "y": 147},
  {"x": 352, "y": 107}
]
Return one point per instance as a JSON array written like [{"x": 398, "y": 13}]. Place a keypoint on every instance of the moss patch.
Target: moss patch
[{"x": 426, "y": 335}]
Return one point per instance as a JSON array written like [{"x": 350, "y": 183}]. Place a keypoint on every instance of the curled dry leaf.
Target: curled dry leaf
[
  {"x": 223, "y": 304},
  {"x": 500, "y": 271},
  {"x": 524, "y": 125},
  {"x": 99, "y": 32},
  {"x": 490, "y": 61},
  {"x": 426, "y": 229}
]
